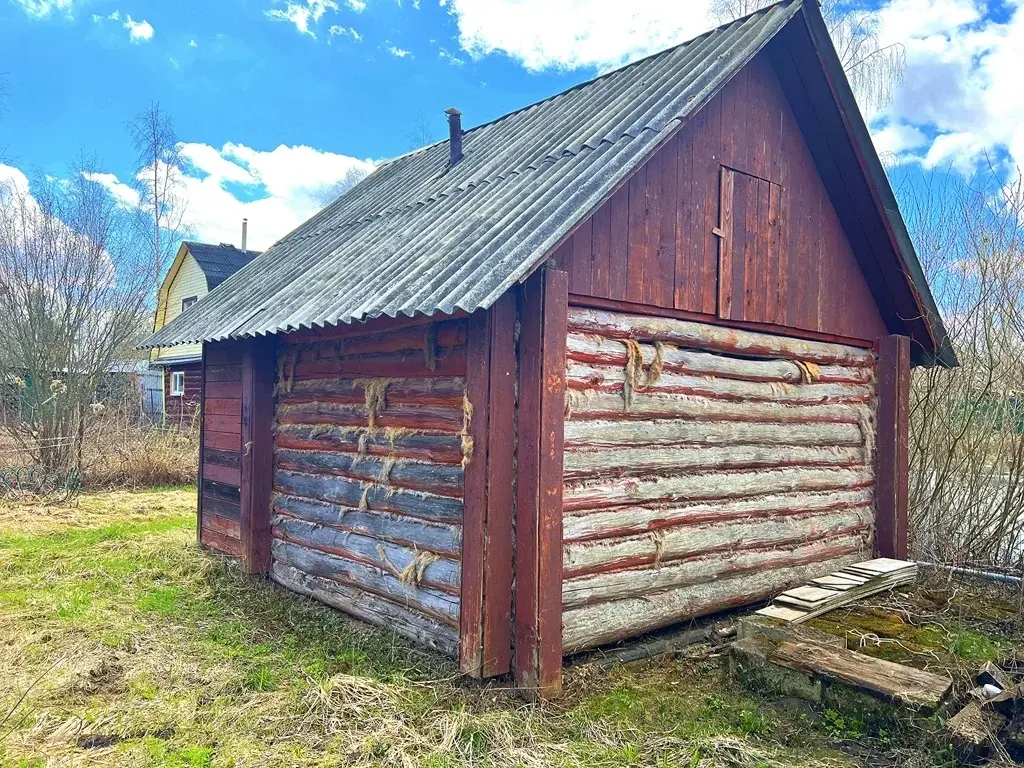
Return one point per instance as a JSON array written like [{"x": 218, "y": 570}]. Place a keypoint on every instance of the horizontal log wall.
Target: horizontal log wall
[
  {"x": 705, "y": 468},
  {"x": 370, "y": 446},
  {"x": 219, "y": 495}
]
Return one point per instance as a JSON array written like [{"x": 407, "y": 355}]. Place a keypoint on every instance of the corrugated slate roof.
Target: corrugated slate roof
[
  {"x": 219, "y": 262},
  {"x": 418, "y": 236}
]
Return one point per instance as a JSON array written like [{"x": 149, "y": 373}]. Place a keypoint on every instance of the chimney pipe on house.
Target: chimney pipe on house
[
  {"x": 245, "y": 232},
  {"x": 454, "y": 135}
]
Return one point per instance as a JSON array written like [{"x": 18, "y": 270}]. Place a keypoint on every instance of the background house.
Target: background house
[
  {"x": 628, "y": 356},
  {"x": 197, "y": 269}
]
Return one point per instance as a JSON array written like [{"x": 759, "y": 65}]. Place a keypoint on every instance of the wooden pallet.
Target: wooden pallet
[{"x": 826, "y": 593}]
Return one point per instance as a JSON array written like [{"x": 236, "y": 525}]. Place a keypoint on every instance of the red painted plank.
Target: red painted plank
[
  {"x": 475, "y": 500},
  {"x": 891, "y": 456},
  {"x": 221, "y": 440},
  {"x": 618, "y": 260},
  {"x": 581, "y": 274},
  {"x": 601, "y": 250},
  {"x": 538, "y": 618},
  {"x": 729, "y": 246},
  {"x": 550, "y": 484},
  {"x": 652, "y": 277},
  {"x": 637, "y": 256},
  {"x": 497, "y": 619},
  {"x": 259, "y": 367}
]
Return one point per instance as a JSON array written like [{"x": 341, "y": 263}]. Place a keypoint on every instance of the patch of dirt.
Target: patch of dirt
[{"x": 106, "y": 677}]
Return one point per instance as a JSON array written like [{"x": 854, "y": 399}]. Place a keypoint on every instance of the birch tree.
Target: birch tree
[
  {"x": 873, "y": 68},
  {"x": 159, "y": 182}
]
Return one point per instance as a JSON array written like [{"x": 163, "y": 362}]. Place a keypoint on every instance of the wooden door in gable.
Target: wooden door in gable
[{"x": 752, "y": 261}]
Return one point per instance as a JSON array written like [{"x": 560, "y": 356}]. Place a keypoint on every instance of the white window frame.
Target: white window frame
[
  {"x": 186, "y": 303},
  {"x": 177, "y": 383}
]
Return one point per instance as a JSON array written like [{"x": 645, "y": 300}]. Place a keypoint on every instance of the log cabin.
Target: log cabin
[
  {"x": 632, "y": 355},
  {"x": 197, "y": 269}
]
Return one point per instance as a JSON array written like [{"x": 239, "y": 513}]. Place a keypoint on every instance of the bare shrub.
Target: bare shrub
[{"x": 967, "y": 424}]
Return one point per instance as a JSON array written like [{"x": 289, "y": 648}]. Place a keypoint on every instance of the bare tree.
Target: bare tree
[
  {"x": 421, "y": 134},
  {"x": 158, "y": 181},
  {"x": 873, "y": 68},
  {"x": 332, "y": 192},
  {"x": 967, "y": 425},
  {"x": 74, "y": 287}
]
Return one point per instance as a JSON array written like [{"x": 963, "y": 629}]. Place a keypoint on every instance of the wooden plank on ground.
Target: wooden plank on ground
[{"x": 899, "y": 683}]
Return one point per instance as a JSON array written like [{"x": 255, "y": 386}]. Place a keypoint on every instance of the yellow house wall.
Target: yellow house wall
[{"x": 189, "y": 281}]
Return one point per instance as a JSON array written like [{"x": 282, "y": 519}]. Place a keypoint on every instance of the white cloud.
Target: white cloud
[
  {"x": 961, "y": 89},
  {"x": 569, "y": 34},
  {"x": 304, "y": 15},
  {"x": 43, "y": 9},
  {"x": 337, "y": 29},
  {"x": 138, "y": 31},
  {"x": 125, "y": 195},
  {"x": 356, "y": 5},
  {"x": 193, "y": 44},
  {"x": 451, "y": 59},
  {"x": 401, "y": 53}
]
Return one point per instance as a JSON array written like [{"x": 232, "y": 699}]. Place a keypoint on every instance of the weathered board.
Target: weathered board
[
  {"x": 221, "y": 447},
  {"x": 371, "y": 443},
  {"x": 704, "y": 468}
]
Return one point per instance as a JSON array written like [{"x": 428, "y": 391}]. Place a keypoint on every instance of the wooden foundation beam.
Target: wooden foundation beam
[
  {"x": 892, "y": 453},
  {"x": 542, "y": 350},
  {"x": 259, "y": 366}
]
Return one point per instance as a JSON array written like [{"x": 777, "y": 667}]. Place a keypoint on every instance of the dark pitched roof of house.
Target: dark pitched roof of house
[
  {"x": 219, "y": 262},
  {"x": 418, "y": 236}
]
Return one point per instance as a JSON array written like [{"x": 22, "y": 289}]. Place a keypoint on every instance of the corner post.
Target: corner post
[
  {"x": 257, "y": 463},
  {"x": 892, "y": 462},
  {"x": 544, "y": 301},
  {"x": 202, "y": 435}
]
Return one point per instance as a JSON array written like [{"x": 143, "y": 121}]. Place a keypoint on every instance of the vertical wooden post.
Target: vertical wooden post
[
  {"x": 202, "y": 445},
  {"x": 497, "y": 613},
  {"x": 474, "y": 505},
  {"x": 259, "y": 366},
  {"x": 542, "y": 348},
  {"x": 892, "y": 456}
]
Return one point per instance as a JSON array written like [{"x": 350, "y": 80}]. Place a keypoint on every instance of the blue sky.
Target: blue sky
[{"x": 275, "y": 99}]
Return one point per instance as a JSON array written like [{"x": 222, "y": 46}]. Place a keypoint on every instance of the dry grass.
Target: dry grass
[{"x": 122, "y": 644}]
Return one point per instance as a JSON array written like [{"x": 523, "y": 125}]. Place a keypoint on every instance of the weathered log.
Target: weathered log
[
  {"x": 700, "y": 336},
  {"x": 349, "y": 415},
  {"x": 442, "y": 538},
  {"x": 442, "y": 479},
  {"x": 445, "y": 391},
  {"x": 439, "y": 605},
  {"x": 668, "y": 544},
  {"x": 584, "y": 376},
  {"x": 636, "y": 461},
  {"x": 712, "y": 485},
  {"x": 370, "y": 608},
  {"x": 591, "y": 404},
  {"x": 586, "y": 433},
  {"x": 649, "y": 579},
  {"x": 447, "y": 362},
  {"x": 593, "y": 625},
  {"x": 443, "y": 448},
  {"x": 419, "y": 567},
  {"x": 583, "y": 525},
  {"x": 601, "y": 351},
  {"x": 351, "y": 493},
  {"x": 347, "y": 341}
]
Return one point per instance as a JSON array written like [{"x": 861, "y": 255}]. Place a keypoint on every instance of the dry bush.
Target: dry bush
[
  {"x": 140, "y": 455},
  {"x": 967, "y": 424}
]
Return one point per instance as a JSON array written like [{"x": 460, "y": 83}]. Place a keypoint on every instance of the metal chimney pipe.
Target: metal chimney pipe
[
  {"x": 245, "y": 232},
  {"x": 454, "y": 135}
]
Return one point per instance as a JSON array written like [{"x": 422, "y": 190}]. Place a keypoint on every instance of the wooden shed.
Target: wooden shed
[{"x": 625, "y": 357}]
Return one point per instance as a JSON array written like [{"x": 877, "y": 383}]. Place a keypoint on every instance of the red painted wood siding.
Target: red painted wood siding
[
  {"x": 652, "y": 242},
  {"x": 181, "y": 410},
  {"x": 219, "y": 494}
]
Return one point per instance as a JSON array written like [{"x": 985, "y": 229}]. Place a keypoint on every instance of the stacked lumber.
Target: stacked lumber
[{"x": 826, "y": 593}]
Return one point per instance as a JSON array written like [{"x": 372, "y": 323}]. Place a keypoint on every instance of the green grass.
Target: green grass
[{"x": 133, "y": 647}]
